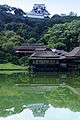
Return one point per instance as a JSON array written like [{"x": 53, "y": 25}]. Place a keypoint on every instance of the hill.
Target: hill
[{"x": 17, "y": 28}]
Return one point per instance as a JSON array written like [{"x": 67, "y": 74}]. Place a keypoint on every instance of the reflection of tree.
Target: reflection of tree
[
  {"x": 10, "y": 80},
  {"x": 12, "y": 96},
  {"x": 38, "y": 109},
  {"x": 56, "y": 78},
  {"x": 15, "y": 104},
  {"x": 64, "y": 97},
  {"x": 47, "y": 90}
]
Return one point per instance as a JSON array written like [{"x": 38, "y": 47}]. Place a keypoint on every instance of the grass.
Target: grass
[
  {"x": 12, "y": 72},
  {"x": 10, "y": 66}
]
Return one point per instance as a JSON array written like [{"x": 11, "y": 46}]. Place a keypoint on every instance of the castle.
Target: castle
[{"x": 39, "y": 11}]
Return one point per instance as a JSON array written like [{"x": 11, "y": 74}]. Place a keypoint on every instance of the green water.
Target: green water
[{"x": 40, "y": 96}]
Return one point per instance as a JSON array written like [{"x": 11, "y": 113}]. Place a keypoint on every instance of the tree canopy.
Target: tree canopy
[{"x": 63, "y": 36}]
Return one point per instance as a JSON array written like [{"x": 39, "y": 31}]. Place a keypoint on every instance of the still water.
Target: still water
[{"x": 40, "y": 96}]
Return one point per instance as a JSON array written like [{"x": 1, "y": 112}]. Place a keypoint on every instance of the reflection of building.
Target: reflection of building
[
  {"x": 39, "y": 11},
  {"x": 38, "y": 109}
]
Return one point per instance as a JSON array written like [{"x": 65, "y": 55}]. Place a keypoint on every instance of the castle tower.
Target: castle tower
[
  {"x": 38, "y": 109},
  {"x": 39, "y": 11}
]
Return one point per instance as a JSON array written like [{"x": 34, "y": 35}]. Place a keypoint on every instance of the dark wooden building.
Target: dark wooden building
[
  {"x": 28, "y": 49},
  {"x": 73, "y": 59},
  {"x": 44, "y": 59}
]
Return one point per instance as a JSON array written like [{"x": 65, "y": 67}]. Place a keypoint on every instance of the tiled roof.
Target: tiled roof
[{"x": 74, "y": 53}]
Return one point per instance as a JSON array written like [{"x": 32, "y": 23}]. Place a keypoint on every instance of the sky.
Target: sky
[{"x": 53, "y": 6}]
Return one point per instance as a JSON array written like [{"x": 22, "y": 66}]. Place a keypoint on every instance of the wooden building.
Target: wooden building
[
  {"x": 44, "y": 59},
  {"x": 27, "y": 49},
  {"x": 73, "y": 59}
]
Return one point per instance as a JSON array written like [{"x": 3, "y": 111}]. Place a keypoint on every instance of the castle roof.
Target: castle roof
[{"x": 39, "y": 10}]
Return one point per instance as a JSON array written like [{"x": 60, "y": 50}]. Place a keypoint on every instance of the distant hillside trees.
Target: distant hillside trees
[{"x": 63, "y": 36}]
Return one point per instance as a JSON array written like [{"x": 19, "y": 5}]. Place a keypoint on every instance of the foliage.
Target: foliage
[
  {"x": 23, "y": 60},
  {"x": 63, "y": 36},
  {"x": 63, "y": 98},
  {"x": 36, "y": 87},
  {"x": 56, "y": 32},
  {"x": 32, "y": 40}
]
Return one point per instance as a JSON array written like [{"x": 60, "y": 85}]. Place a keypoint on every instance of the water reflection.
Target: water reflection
[
  {"x": 40, "y": 96},
  {"x": 38, "y": 109},
  {"x": 51, "y": 113}
]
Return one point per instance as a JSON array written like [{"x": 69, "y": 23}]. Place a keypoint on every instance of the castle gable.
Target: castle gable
[{"x": 39, "y": 11}]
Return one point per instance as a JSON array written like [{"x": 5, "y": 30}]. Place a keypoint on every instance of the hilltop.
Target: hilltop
[{"x": 16, "y": 28}]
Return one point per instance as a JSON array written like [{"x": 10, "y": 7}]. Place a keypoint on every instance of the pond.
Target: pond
[{"x": 40, "y": 96}]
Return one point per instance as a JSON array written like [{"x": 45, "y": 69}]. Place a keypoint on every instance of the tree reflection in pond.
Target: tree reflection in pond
[
  {"x": 64, "y": 98},
  {"x": 21, "y": 91}
]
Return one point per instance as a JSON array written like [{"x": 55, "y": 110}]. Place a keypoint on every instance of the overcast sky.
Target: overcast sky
[{"x": 53, "y": 6}]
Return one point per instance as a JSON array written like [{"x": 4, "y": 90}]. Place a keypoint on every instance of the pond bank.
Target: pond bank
[{"x": 12, "y": 67}]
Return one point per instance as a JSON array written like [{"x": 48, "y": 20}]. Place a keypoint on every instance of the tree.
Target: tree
[
  {"x": 23, "y": 60},
  {"x": 59, "y": 46},
  {"x": 32, "y": 40},
  {"x": 19, "y": 12},
  {"x": 9, "y": 33},
  {"x": 17, "y": 39},
  {"x": 9, "y": 47},
  {"x": 63, "y": 36},
  {"x": 2, "y": 57}
]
